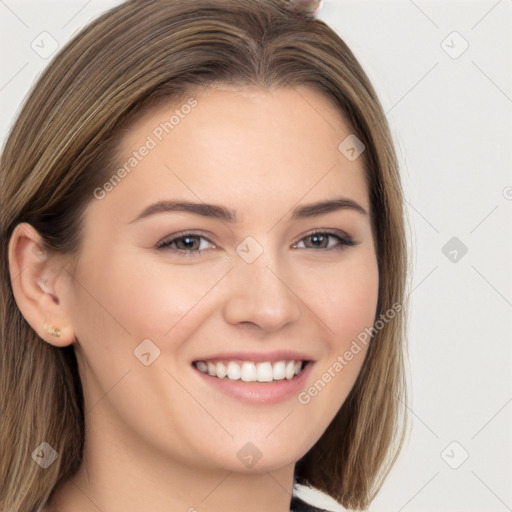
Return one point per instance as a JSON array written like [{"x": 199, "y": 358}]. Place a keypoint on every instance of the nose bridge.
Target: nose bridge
[{"x": 261, "y": 293}]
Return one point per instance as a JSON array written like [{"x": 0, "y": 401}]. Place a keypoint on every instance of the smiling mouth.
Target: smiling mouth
[{"x": 249, "y": 371}]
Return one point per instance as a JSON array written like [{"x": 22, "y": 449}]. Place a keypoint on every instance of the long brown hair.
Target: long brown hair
[{"x": 61, "y": 147}]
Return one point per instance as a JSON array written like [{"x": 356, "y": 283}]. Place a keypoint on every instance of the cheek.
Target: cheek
[
  {"x": 346, "y": 303},
  {"x": 355, "y": 307},
  {"x": 143, "y": 295},
  {"x": 344, "y": 297},
  {"x": 146, "y": 298},
  {"x": 170, "y": 296}
]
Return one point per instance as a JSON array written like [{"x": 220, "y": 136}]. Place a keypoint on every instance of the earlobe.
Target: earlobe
[
  {"x": 34, "y": 274},
  {"x": 54, "y": 331}
]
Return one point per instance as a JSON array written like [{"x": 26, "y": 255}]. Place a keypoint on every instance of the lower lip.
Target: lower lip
[{"x": 259, "y": 392}]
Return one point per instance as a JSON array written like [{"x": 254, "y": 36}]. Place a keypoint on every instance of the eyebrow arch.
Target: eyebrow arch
[{"x": 229, "y": 215}]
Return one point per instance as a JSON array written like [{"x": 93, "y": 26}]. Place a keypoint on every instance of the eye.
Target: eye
[
  {"x": 320, "y": 238},
  {"x": 188, "y": 241}
]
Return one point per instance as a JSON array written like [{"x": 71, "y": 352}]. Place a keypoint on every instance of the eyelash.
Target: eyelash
[{"x": 167, "y": 242}]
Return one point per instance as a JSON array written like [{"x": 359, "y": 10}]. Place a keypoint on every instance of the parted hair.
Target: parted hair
[{"x": 62, "y": 145}]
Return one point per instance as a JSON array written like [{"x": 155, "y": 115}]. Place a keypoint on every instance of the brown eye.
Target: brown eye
[
  {"x": 189, "y": 242},
  {"x": 185, "y": 243},
  {"x": 321, "y": 240}
]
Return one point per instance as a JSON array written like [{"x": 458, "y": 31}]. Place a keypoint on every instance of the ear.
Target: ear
[{"x": 37, "y": 279}]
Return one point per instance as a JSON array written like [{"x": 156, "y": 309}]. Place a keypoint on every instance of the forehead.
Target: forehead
[
  {"x": 231, "y": 145},
  {"x": 304, "y": 113}
]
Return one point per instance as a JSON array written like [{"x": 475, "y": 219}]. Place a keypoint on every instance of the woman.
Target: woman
[{"x": 143, "y": 371}]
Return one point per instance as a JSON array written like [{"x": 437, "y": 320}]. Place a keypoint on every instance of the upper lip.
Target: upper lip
[{"x": 278, "y": 355}]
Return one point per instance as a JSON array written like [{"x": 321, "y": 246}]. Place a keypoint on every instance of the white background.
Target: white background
[{"x": 452, "y": 123}]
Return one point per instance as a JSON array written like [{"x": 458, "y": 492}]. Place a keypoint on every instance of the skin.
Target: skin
[{"x": 158, "y": 437}]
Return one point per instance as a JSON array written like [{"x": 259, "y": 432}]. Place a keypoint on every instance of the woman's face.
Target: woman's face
[{"x": 259, "y": 287}]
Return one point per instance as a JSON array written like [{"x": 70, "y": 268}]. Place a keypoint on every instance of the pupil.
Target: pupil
[
  {"x": 189, "y": 240},
  {"x": 317, "y": 238}
]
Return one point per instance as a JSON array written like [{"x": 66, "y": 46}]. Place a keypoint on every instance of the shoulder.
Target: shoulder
[{"x": 309, "y": 499}]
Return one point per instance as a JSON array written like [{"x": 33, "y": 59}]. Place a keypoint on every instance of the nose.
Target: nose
[{"x": 261, "y": 293}]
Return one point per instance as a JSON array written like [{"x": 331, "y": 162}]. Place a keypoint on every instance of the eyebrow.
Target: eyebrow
[{"x": 229, "y": 215}]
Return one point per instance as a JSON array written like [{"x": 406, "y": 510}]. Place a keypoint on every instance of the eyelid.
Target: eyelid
[
  {"x": 345, "y": 240},
  {"x": 345, "y": 237},
  {"x": 182, "y": 234}
]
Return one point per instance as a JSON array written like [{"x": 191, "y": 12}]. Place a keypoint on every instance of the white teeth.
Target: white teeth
[
  {"x": 290, "y": 369},
  {"x": 233, "y": 371},
  {"x": 250, "y": 371},
  {"x": 280, "y": 370},
  {"x": 201, "y": 365},
  {"x": 211, "y": 369},
  {"x": 265, "y": 373},
  {"x": 222, "y": 371}
]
